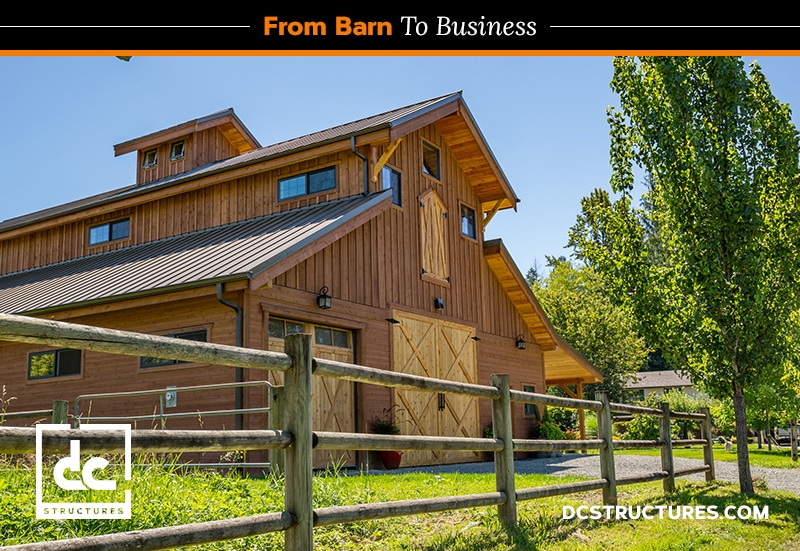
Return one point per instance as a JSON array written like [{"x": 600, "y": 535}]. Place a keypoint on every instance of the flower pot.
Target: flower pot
[{"x": 390, "y": 459}]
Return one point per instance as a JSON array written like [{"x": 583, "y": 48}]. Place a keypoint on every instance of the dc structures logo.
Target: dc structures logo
[{"x": 87, "y": 483}]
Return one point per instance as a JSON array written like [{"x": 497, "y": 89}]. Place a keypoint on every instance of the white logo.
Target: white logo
[{"x": 91, "y": 478}]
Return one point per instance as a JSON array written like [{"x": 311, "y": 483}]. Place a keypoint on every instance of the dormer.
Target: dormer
[{"x": 184, "y": 147}]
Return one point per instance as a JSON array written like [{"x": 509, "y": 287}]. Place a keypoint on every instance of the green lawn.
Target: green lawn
[
  {"x": 778, "y": 459},
  {"x": 163, "y": 498}
]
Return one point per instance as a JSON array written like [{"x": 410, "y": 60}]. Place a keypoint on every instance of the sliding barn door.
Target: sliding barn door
[{"x": 443, "y": 350}]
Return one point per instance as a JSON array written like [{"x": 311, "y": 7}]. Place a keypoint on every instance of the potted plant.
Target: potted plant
[
  {"x": 385, "y": 424},
  {"x": 546, "y": 429}
]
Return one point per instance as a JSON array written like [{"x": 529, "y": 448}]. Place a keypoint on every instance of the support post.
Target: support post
[
  {"x": 297, "y": 421},
  {"x": 793, "y": 435},
  {"x": 60, "y": 408},
  {"x": 708, "y": 451},
  {"x": 277, "y": 405},
  {"x": 581, "y": 416},
  {"x": 605, "y": 432},
  {"x": 504, "y": 459},
  {"x": 664, "y": 433}
]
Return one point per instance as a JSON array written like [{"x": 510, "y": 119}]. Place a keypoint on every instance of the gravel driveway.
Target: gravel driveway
[{"x": 626, "y": 465}]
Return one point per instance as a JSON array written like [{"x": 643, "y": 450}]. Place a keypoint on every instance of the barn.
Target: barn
[{"x": 368, "y": 235}]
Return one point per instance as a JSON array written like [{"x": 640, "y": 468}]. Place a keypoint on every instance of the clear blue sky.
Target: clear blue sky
[{"x": 544, "y": 118}]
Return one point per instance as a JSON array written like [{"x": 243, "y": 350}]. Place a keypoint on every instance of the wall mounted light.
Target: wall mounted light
[
  {"x": 521, "y": 344},
  {"x": 438, "y": 303},
  {"x": 324, "y": 299}
]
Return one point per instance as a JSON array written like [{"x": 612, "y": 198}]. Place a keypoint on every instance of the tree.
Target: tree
[
  {"x": 575, "y": 301},
  {"x": 708, "y": 259}
]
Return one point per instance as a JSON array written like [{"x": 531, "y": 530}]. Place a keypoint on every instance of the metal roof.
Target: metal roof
[
  {"x": 315, "y": 139},
  {"x": 224, "y": 253},
  {"x": 660, "y": 379}
]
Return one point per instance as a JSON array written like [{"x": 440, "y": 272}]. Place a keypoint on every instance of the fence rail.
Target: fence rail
[{"x": 298, "y": 440}]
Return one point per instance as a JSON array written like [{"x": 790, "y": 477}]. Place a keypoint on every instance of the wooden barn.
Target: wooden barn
[{"x": 368, "y": 235}]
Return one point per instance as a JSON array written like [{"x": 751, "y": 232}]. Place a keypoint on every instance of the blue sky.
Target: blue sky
[{"x": 543, "y": 116}]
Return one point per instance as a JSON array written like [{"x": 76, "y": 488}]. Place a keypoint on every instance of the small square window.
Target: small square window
[
  {"x": 430, "y": 160},
  {"x": 468, "y": 222},
  {"x": 390, "y": 178},
  {"x": 530, "y": 409},
  {"x": 150, "y": 158},
  {"x": 54, "y": 363},
  {"x": 177, "y": 151}
]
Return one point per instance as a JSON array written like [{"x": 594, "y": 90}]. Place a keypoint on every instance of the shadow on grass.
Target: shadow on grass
[{"x": 537, "y": 530}]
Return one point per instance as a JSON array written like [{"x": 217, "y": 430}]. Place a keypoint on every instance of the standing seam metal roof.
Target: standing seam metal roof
[{"x": 238, "y": 250}]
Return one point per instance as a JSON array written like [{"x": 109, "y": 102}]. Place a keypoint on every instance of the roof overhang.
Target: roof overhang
[{"x": 562, "y": 364}]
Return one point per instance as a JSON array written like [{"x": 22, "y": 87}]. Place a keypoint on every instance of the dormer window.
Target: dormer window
[
  {"x": 177, "y": 151},
  {"x": 150, "y": 158},
  {"x": 110, "y": 231}
]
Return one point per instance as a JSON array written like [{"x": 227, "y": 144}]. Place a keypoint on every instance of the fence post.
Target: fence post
[
  {"x": 504, "y": 459},
  {"x": 605, "y": 431},
  {"x": 60, "y": 409},
  {"x": 793, "y": 430},
  {"x": 664, "y": 433},
  {"x": 297, "y": 421},
  {"x": 708, "y": 451},
  {"x": 277, "y": 405}
]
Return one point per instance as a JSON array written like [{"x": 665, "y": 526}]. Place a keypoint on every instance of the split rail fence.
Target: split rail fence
[{"x": 298, "y": 439}]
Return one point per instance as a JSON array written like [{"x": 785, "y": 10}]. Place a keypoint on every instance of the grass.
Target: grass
[
  {"x": 164, "y": 497},
  {"x": 777, "y": 459}
]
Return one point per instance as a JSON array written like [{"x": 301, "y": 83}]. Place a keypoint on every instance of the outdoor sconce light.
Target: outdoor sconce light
[
  {"x": 438, "y": 304},
  {"x": 521, "y": 344},
  {"x": 324, "y": 299}
]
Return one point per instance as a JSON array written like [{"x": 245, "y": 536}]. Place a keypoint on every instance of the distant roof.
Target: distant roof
[
  {"x": 241, "y": 250},
  {"x": 660, "y": 379},
  {"x": 397, "y": 119}
]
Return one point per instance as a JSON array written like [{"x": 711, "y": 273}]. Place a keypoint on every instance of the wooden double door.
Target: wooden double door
[
  {"x": 440, "y": 349},
  {"x": 333, "y": 400}
]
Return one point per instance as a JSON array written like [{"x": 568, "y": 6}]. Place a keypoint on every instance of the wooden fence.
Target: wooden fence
[{"x": 298, "y": 439}]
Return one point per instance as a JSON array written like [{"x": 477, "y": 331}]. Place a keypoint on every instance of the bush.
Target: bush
[
  {"x": 550, "y": 431},
  {"x": 645, "y": 427}
]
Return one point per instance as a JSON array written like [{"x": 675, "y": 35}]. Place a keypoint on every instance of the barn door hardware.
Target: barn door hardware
[{"x": 441, "y": 402}]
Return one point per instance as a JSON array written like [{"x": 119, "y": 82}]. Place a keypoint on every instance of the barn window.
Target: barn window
[
  {"x": 150, "y": 158},
  {"x": 307, "y": 183},
  {"x": 177, "y": 151},
  {"x": 110, "y": 231},
  {"x": 390, "y": 179},
  {"x": 433, "y": 238},
  {"x": 430, "y": 160},
  {"x": 198, "y": 336},
  {"x": 54, "y": 363},
  {"x": 468, "y": 222},
  {"x": 529, "y": 409}
]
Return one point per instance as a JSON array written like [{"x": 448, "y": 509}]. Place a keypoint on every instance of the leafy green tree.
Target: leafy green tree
[
  {"x": 707, "y": 261},
  {"x": 579, "y": 306}
]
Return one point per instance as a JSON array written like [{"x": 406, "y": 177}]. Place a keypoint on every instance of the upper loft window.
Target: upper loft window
[
  {"x": 200, "y": 335},
  {"x": 54, "y": 363},
  {"x": 468, "y": 222},
  {"x": 307, "y": 183},
  {"x": 177, "y": 151},
  {"x": 110, "y": 231},
  {"x": 150, "y": 158},
  {"x": 430, "y": 161},
  {"x": 390, "y": 179}
]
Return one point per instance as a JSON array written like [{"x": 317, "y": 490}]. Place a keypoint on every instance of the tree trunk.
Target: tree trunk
[{"x": 742, "y": 452}]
